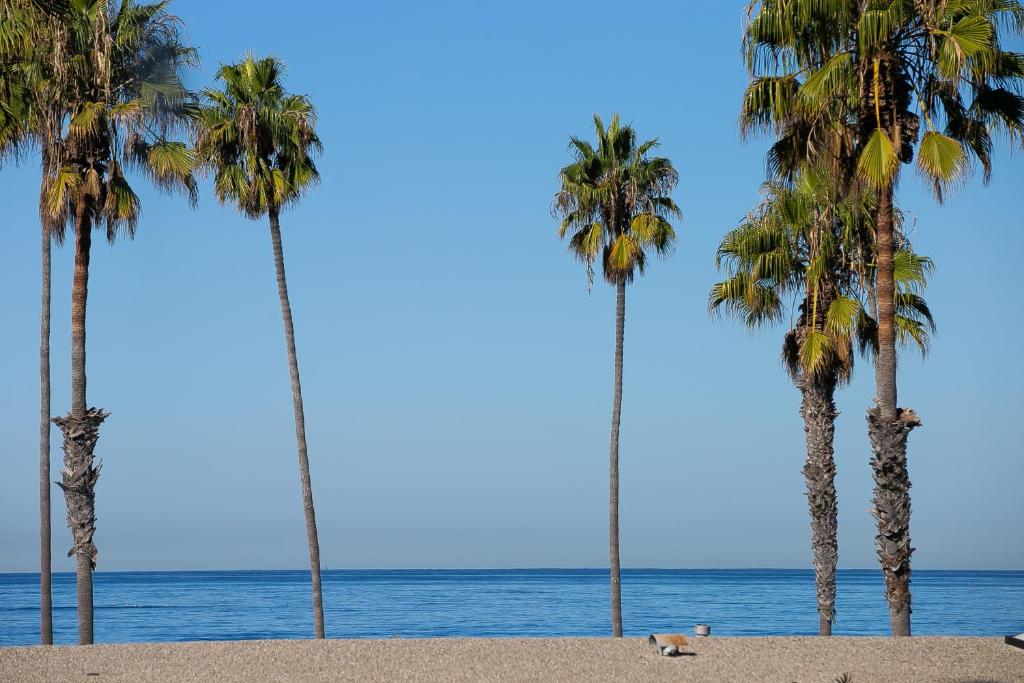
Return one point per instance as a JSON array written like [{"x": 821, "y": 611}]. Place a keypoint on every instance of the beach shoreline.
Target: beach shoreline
[{"x": 863, "y": 659}]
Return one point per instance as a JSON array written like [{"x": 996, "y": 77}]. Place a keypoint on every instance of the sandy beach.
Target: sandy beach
[{"x": 931, "y": 659}]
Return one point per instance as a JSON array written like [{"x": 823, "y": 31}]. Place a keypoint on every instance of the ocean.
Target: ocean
[{"x": 236, "y": 605}]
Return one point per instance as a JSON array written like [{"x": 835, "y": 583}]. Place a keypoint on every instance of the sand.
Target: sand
[{"x": 537, "y": 659}]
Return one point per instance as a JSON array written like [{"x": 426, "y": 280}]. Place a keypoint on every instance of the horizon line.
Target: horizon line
[{"x": 493, "y": 569}]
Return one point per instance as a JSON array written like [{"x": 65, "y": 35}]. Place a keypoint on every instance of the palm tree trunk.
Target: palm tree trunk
[
  {"x": 45, "y": 578},
  {"x": 613, "y": 466},
  {"x": 79, "y": 302},
  {"x": 888, "y": 429},
  {"x": 885, "y": 362},
  {"x": 81, "y": 431},
  {"x": 818, "y": 410},
  {"x": 300, "y": 428}
]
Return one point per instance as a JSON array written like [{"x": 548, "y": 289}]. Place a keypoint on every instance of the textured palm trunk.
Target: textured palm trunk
[
  {"x": 888, "y": 429},
  {"x": 885, "y": 362},
  {"x": 300, "y": 428},
  {"x": 818, "y": 410},
  {"x": 45, "y": 578},
  {"x": 613, "y": 465},
  {"x": 81, "y": 431}
]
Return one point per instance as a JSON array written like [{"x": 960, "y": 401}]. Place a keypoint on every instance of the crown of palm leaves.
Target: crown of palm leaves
[
  {"x": 808, "y": 245},
  {"x": 615, "y": 201},
  {"x": 868, "y": 75},
  {"x": 257, "y": 139}
]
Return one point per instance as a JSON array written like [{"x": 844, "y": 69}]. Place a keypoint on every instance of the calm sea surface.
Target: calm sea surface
[{"x": 168, "y": 606}]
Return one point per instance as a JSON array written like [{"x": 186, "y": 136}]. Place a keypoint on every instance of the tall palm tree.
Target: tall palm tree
[
  {"x": 259, "y": 141},
  {"x": 615, "y": 203},
  {"x": 117, "y": 70},
  {"x": 15, "y": 133},
  {"x": 29, "y": 106},
  {"x": 807, "y": 243},
  {"x": 894, "y": 67}
]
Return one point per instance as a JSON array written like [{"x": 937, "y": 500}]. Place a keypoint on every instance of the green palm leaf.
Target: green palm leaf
[
  {"x": 841, "y": 317},
  {"x": 653, "y": 231},
  {"x": 965, "y": 39},
  {"x": 835, "y": 79},
  {"x": 942, "y": 160},
  {"x": 816, "y": 350},
  {"x": 878, "y": 161}
]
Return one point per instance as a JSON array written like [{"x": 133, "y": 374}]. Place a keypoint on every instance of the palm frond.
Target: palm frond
[
  {"x": 942, "y": 160},
  {"x": 878, "y": 160}
]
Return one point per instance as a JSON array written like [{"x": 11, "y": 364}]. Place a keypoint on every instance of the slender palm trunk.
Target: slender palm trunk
[
  {"x": 45, "y": 579},
  {"x": 81, "y": 431},
  {"x": 613, "y": 465},
  {"x": 300, "y": 427},
  {"x": 885, "y": 363},
  {"x": 818, "y": 410},
  {"x": 888, "y": 429}
]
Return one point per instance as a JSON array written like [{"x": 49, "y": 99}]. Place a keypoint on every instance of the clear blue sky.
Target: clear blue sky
[{"x": 457, "y": 372}]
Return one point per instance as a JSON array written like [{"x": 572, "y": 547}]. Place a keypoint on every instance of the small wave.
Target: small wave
[{"x": 128, "y": 605}]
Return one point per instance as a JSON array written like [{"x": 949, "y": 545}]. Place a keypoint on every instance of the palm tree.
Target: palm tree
[
  {"x": 117, "y": 71},
  {"x": 28, "y": 104},
  {"x": 615, "y": 203},
  {"x": 259, "y": 141},
  {"x": 890, "y": 66},
  {"x": 806, "y": 242}
]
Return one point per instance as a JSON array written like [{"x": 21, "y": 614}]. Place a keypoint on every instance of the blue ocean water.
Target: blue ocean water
[{"x": 175, "y": 606}]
